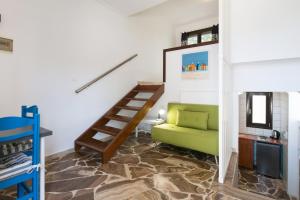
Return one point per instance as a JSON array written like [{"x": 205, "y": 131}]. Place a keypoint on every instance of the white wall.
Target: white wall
[
  {"x": 262, "y": 59},
  {"x": 7, "y": 80},
  {"x": 280, "y": 76},
  {"x": 151, "y": 44},
  {"x": 160, "y": 27},
  {"x": 294, "y": 132},
  {"x": 7, "y": 85},
  {"x": 201, "y": 91},
  {"x": 264, "y": 30},
  {"x": 59, "y": 45},
  {"x": 225, "y": 92},
  {"x": 276, "y": 76}
]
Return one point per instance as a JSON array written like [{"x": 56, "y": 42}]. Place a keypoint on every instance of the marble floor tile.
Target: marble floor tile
[
  {"x": 138, "y": 171},
  {"x": 250, "y": 181}
]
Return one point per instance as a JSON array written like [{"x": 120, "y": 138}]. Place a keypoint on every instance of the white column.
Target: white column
[
  {"x": 293, "y": 134},
  {"x": 42, "y": 169}
]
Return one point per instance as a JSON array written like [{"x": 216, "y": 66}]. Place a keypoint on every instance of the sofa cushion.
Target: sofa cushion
[
  {"x": 212, "y": 110},
  {"x": 199, "y": 140},
  {"x": 190, "y": 119}
]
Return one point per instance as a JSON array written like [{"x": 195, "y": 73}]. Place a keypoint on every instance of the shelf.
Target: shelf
[
  {"x": 14, "y": 134},
  {"x": 14, "y": 165},
  {"x": 5, "y": 134}
]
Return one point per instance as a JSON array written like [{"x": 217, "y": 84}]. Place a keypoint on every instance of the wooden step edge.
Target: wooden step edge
[
  {"x": 149, "y": 87},
  {"x": 108, "y": 130},
  {"x": 137, "y": 99},
  {"x": 92, "y": 143},
  {"x": 134, "y": 108},
  {"x": 144, "y": 91},
  {"x": 149, "y": 83},
  {"x": 119, "y": 118}
]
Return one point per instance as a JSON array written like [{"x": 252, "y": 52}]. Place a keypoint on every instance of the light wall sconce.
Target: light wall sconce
[{"x": 161, "y": 112}]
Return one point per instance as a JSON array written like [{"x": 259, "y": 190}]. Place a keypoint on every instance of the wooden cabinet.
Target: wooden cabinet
[{"x": 246, "y": 153}]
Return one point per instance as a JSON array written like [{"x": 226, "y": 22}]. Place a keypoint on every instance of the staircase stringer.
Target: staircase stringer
[
  {"x": 102, "y": 120},
  {"x": 128, "y": 129}
]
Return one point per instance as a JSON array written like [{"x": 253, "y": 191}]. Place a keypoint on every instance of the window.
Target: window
[
  {"x": 192, "y": 40},
  {"x": 206, "y": 36},
  {"x": 259, "y": 110},
  {"x": 200, "y": 36}
]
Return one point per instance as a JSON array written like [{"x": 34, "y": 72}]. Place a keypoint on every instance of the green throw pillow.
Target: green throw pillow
[{"x": 191, "y": 119}]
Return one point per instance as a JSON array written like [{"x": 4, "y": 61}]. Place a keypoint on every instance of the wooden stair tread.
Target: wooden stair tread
[
  {"x": 119, "y": 118},
  {"x": 135, "y": 108},
  {"x": 144, "y": 90},
  {"x": 119, "y": 135},
  {"x": 92, "y": 143},
  {"x": 137, "y": 99},
  {"x": 108, "y": 130}
]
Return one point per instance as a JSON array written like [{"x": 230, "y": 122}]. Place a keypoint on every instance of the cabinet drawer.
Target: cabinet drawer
[{"x": 246, "y": 153}]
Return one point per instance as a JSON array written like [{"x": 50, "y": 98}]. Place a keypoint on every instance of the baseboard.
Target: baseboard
[{"x": 60, "y": 153}]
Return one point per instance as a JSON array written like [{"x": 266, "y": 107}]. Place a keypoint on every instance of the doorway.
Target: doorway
[{"x": 263, "y": 143}]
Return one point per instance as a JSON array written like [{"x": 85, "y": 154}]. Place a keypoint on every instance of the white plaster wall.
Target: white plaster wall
[
  {"x": 264, "y": 30},
  {"x": 60, "y": 45},
  {"x": 225, "y": 91},
  {"x": 7, "y": 70},
  {"x": 7, "y": 85},
  {"x": 294, "y": 131},
  {"x": 160, "y": 27},
  {"x": 277, "y": 76},
  {"x": 153, "y": 34},
  {"x": 191, "y": 90},
  {"x": 263, "y": 50},
  {"x": 225, "y": 139}
]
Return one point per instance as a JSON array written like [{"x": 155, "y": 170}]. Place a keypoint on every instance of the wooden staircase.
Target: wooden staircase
[{"x": 118, "y": 136}]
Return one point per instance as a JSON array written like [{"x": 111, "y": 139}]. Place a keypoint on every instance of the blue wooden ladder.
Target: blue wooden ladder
[{"x": 28, "y": 125}]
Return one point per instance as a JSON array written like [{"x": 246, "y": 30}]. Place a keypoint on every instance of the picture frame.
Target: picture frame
[
  {"x": 6, "y": 44},
  {"x": 195, "y": 65}
]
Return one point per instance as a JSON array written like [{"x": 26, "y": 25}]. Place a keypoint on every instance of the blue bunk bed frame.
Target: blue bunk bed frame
[{"x": 29, "y": 118}]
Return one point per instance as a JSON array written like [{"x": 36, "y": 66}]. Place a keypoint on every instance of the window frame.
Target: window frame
[
  {"x": 199, "y": 33},
  {"x": 269, "y": 110}
]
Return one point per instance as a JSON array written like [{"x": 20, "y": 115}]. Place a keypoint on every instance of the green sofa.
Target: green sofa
[{"x": 206, "y": 140}]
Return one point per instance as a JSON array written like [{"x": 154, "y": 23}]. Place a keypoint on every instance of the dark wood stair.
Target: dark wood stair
[
  {"x": 92, "y": 144},
  {"x": 137, "y": 99},
  {"x": 119, "y": 118},
  {"x": 108, "y": 130},
  {"x": 118, "y": 136},
  {"x": 134, "y": 108}
]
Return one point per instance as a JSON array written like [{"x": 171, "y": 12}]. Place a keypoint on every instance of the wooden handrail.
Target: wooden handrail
[{"x": 85, "y": 86}]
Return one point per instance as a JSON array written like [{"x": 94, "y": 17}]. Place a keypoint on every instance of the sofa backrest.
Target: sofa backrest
[{"x": 213, "y": 113}]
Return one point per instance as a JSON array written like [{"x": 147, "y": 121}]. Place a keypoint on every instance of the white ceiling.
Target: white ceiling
[
  {"x": 131, "y": 7},
  {"x": 180, "y": 12}
]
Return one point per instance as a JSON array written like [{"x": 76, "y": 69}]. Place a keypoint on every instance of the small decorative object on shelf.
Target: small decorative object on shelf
[
  {"x": 161, "y": 112},
  {"x": 6, "y": 44},
  {"x": 147, "y": 124}
]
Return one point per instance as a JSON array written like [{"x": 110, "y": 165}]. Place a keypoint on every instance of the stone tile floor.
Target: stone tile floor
[
  {"x": 250, "y": 181},
  {"x": 138, "y": 171}
]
